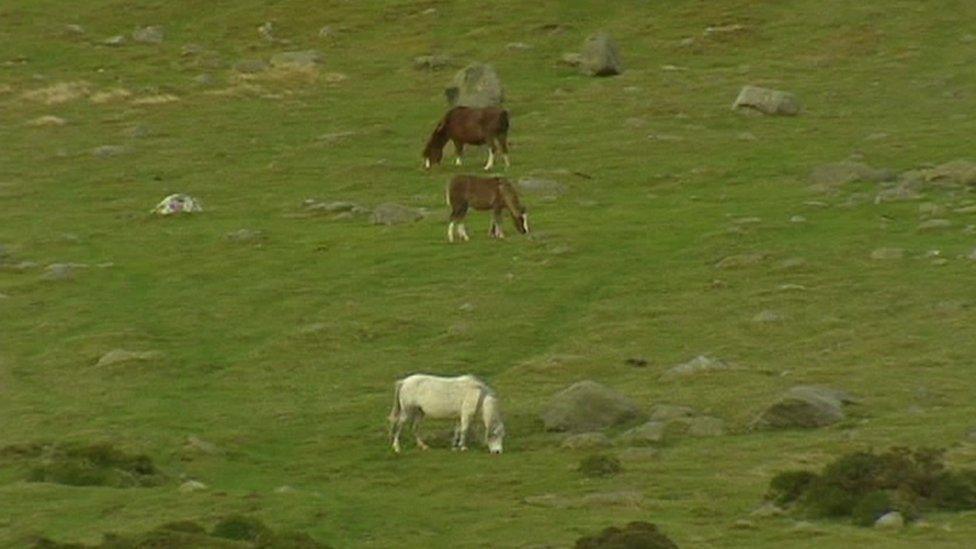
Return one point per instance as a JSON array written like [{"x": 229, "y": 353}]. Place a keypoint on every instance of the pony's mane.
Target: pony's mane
[{"x": 438, "y": 138}]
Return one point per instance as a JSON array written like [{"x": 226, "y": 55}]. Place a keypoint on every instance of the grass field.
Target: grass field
[{"x": 282, "y": 351}]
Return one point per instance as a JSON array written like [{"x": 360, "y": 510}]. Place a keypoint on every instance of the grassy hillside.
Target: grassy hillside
[{"x": 282, "y": 351}]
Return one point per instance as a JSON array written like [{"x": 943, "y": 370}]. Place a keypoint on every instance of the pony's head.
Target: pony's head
[
  {"x": 434, "y": 150},
  {"x": 495, "y": 432}
]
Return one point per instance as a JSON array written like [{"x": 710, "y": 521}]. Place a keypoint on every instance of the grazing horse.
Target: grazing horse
[
  {"x": 421, "y": 395},
  {"x": 469, "y": 125},
  {"x": 484, "y": 193}
]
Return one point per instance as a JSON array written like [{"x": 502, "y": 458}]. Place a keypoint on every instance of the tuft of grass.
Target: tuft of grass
[
  {"x": 599, "y": 465},
  {"x": 635, "y": 535}
]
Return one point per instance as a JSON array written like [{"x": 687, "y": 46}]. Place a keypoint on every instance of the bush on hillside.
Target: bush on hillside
[
  {"x": 636, "y": 535},
  {"x": 864, "y": 485}
]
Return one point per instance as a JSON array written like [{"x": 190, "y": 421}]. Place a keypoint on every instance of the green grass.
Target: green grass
[{"x": 621, "y": 266}]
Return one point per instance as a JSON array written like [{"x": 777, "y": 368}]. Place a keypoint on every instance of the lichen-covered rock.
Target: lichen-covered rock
[
  {"x": 599, "y": 56},
  {"x": 476, "y": 85},
  {"x": 587, "y": 406},
  {"x": 767, "y": 101}
]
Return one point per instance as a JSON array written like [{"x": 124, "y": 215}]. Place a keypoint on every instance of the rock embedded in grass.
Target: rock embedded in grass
[
  {"x": 390, "y": 213},
  {"x": 649, "y": 433},
  {"x": 890, "y": 521},
  {"x": 600, "y": 56},
  {"x": 887, "y": 253},
  {"x": 586, "y": 441},
  {"x": 842, "y": 173},
  {"x": 740, "y": 260},
  {"x": 477, "y": 85},
  {"x": 766, "y": 101},
  {"x": 148, "y": 35},
  {"x": 118, "y": 356},
  {"x": 432, "y": 62},
  {"x": 934, "y": 225},
  {"x": 539, "y": 186},
  {"x": 804, "y": 406},
  {"x": 587, "y": 406},
  {"x": 297, "y": 59},
  {"x": 698, "y": 365}
]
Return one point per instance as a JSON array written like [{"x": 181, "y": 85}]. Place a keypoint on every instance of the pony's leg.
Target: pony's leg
[
  {"x": 463, "y": 432},
  {"x": 459, "y": 150},
  {"x": 450, "y": 232},
  {"x": 397, "y": 429},
  {"x": 491, "y": 157},
  {"x": 503, "y": 143},
  {"x": 496, "y": 224},
  {"x": 416, "y": 431},
  {"x": 462, "y": 233}
]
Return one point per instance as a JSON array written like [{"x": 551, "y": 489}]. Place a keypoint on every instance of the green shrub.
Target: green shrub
[
  {"x": 788, "y": 486},
  {"x": 242, "y": 528},
  {"x": 636, "y": 535},
  {"x": 870, "y": 507}
]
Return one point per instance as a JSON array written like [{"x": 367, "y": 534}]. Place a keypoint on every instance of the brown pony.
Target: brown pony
[
  {"x": 469, "y": 125},
  {"x": 484, "y": 193}
]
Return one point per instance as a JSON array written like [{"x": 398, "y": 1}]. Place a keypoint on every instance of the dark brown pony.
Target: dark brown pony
[
  {"x": 484, "y": 193},
  {"x": 472, "y": 126}
]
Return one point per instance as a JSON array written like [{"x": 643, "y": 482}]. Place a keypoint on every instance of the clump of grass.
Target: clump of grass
[
  {"x": 599, "y": 465},
  {"x": 636, "y": 535},
  {"x": 98, "y": 464},
  {"x": 241, "y": 528},
  {"x": 865, "y": 485}
]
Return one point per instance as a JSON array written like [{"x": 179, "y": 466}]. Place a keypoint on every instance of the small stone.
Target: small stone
[
  {"x": 466, "y": 307},
  {"x": 297, "y": 59},
  {"x": 431, "y": 62},
  {"x": 192, "y": 486},
  {"x": 586, "y": 441},
  {"x": 876, "y": 136},
  {"x": 637, "y": 362},
  {"x": 791, "y": 264},
  {"x": 177, "y": 204},
  {"x": 117, "y": 356},
  {"x": 47, "y": 121},
  {"x": 649, "y": 433},
  {"x": 326, "y": 32},
  {"x": 251, "y": 66},
  {"x": 244, "y": 235},
  {"x": 740, "y": 260},
  {"x": 197, "y": 444},
  {"x": 538, "y": 186},
  {"x": 394, "y": 214},
  {"x": 205, "y": 79},
  {"x": 108, "y": 151},
  {"x": 766, "y": 101},
  {"x": 746, "y": 136},
  {"x": 148, "y": 35},
  {"x": 934, "y": 225},
  {"x": 791, "y": 288},
  {"x": 888, "y": 253},
  {"x": 743, "y": 524},
  {"x": 266, "y": 31},
  {"x": 59, "y": 271},
  {"x": 517, "y": 46},
  {"x": 699, "y": 364},
  {"x": 285, "y": 489},
  {"x": 114, "y": 41},
  {"x": 668, "y": 412},
  {"x": 74, "y": 29},
  {"x": 798, "y": 219},
  {"x": 940, "y": 262},
  {"x": 893, "y": 520}
]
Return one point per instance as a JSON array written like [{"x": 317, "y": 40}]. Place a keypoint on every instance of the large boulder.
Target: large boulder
[
  {"x": 804, "y": 406},
  {"x": 476, "y": 85},
  {"x": 767, "y": 101},
  {"x": 599, "y": 56},
  {"x": 588, "y": 406}
]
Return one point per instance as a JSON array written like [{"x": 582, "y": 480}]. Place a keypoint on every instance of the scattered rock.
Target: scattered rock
[
  {"x": 108, "y": 151},
  {"x": 297, "y": 59},
  {"x": 177, "y": 204},
  {"x": 394, "y": 214},
  {"x": 59, "y": 93},
  {"x": 740, "y": 260},
  {"x": 517, "y": 46},
  {"x": 251, "y": 66},
  {"x": 734, "y": 28},
  {"x": 571, "y": 59},
  {"x": 114, "y": 41},
  {"x": 205, "y": 79},
  {"x": 61, "y": 271},
  {"x": 118, "y": 356},
  {"x": 266, "y": 31},
  {"x": 957, "y": 172},
  {"x": 326, "y": 32},
  {"x": 888, "y": 253},
  {"x": 47, "y": 121},
  {"x": 599, "y": 56},
  {"x": 285, "y": 489},
  {"x": 148, "y": 35},
  {"x": 934, "y": 225},
  {"x": 586, "y": 441},
  {"x": 192, "y": 486},
  {"x": 623, "y": 498},
  {"x": 792, "y": 264},
  {"x": 743, "y": 524},
  {"x": 74, "y": 29},
  {"x": 198, "y": 445},
  {"x": 804, "y": 406},
  {"x": 108, "y": 96},
  {"x": 476, "y": 85},
  {"x": 587, "y": 406},
  {"x": 766, "y": 101},
  {"x": 706, "y": 426},
  {"x": 545, "y": 187},
  {"x": 647, "y": 434},
  {"x": 697, "y": 365},
  {"x": 798, "y": 219},
  {"x": 746, "y": 136},
  {"x": 245, "y": 235},
  {"x": 842, "y": 173},
  {"x": 636, "y": 362},
  {"x": 767, "y": 317},
  {"x": 432, "y": 62},
  {"x": 160, "y": 99},
  {"x": 667, "y": 412},
  {"x": 890, "y": 521}
]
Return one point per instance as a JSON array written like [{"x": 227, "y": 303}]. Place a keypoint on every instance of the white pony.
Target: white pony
[{"x": 421, "y": 395}]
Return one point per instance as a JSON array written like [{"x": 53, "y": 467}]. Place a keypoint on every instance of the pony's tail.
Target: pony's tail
[{"x": 395, "y": 412}]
